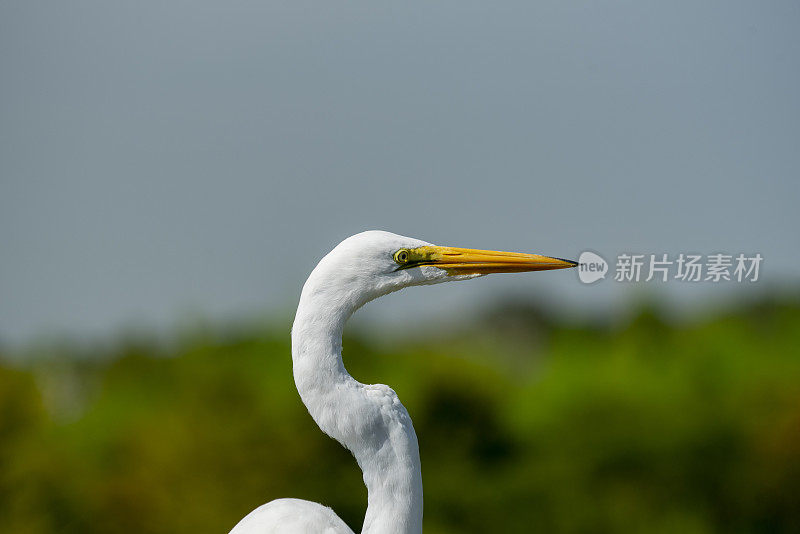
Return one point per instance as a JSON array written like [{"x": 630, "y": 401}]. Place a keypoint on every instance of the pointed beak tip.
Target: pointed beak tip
[{"x": 570, "y": 262}]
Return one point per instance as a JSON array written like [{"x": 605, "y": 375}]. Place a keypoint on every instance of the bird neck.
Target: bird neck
[{"x": 369, "y": 420}]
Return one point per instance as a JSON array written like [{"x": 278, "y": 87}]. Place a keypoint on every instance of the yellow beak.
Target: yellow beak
[{"x": 470, "y": 261}]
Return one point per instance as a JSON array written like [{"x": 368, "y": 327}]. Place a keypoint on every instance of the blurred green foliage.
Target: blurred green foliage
[{"x": 525, "y": 424}]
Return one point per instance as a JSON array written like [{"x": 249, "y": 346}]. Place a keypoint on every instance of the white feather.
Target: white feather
[{"x": 369, "y": 420}]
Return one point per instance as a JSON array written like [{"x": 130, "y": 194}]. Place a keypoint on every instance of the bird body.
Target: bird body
[
  {"x": 367, "y": 419},
  {"x": 292, "y": 516}
]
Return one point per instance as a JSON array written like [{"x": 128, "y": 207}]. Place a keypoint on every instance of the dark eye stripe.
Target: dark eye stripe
[{"x": 411, "y": 264}]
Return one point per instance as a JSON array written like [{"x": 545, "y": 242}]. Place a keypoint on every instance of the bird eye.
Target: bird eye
[{"x": 401, "y": 256}]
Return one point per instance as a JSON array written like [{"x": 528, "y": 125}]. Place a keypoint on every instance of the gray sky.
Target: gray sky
[{"x": 165, "y": 158}]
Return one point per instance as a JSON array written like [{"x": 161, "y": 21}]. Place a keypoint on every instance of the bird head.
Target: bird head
[{"x": 374, "y": 263}]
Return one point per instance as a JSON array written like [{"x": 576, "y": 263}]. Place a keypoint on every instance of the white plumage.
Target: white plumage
[
  {"x": 292, "y": 515},
  {"x": 369, "y": 420}
]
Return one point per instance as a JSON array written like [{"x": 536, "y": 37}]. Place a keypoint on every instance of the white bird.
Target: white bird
[{"x": 369, "y": 420}]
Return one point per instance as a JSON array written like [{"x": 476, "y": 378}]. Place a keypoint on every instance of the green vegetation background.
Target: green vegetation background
[{"x": 525, "y": 424}]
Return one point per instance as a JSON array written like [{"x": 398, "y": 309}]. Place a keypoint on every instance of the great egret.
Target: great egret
[{"x": 368, "y": 419}]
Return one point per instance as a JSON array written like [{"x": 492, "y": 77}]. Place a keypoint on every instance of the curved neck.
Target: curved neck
[{"x": 369, "y": 420}]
